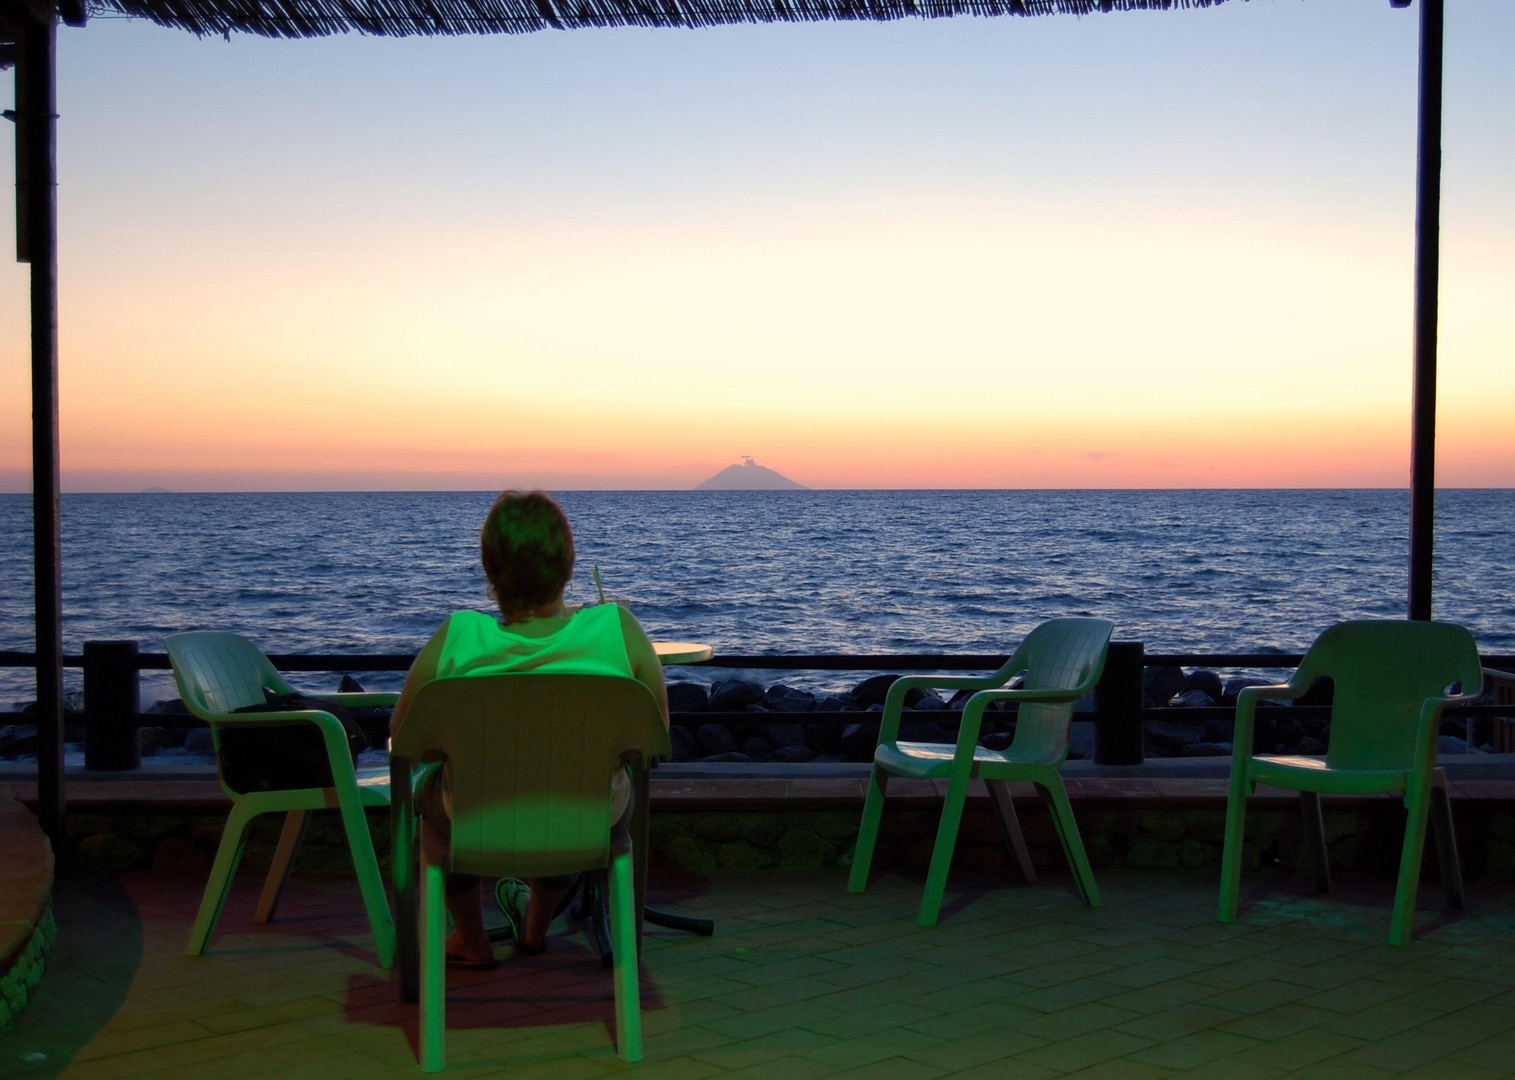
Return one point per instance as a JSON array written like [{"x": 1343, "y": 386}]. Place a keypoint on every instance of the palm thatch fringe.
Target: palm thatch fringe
[{"x": 401, "y": 18}]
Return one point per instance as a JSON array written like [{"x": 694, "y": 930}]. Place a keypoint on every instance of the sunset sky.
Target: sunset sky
[{"x": 1134, "y": 250}]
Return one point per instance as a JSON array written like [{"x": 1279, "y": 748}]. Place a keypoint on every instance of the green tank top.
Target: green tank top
[{"x": 590, "y": 643}]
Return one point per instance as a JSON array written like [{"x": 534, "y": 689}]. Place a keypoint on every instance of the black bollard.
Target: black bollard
[
  {"x": 112, "y": 706},
  {"x": 1120, "y": 731}
]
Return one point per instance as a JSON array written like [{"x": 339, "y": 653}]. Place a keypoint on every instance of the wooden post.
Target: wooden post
[
  {"x": 112, "y": 706},
  {"x": 1427, "y": 266},
  {"x": 37, "y": 242},
  {"x": 1119, "y": 725}
]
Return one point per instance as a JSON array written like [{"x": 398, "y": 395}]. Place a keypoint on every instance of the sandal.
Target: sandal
[
  {"x": 465, "y": 964},
  {"x": 511, "y": 894}
]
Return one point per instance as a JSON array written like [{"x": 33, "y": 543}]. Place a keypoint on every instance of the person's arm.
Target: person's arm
[
  {"x": 645, "y": 666},
  {"x": 421, "y": 672}
]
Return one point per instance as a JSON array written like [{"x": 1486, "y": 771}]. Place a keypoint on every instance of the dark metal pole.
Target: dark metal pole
[
  {"x": 37, "y": 179},
  {"x": 1427, "y": 266},
  {"x": 112, "y": 706}
]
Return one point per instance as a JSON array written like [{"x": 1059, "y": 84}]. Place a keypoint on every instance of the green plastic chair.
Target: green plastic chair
[
  {"x": 1392, "y": 681},
  {"x": 219, "y": 673},
  {"x": 1061, "y": 660},
  {"x": 529, "y": 757}
]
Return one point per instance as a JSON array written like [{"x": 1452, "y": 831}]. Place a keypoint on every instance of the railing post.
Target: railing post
[
  {"x": 112, "y": 706},
  {"x": 1119, "y": 726}
]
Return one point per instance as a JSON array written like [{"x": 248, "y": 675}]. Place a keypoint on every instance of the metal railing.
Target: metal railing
[{"x": 113, "y": 716}]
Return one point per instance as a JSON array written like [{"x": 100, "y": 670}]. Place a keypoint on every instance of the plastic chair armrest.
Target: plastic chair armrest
[
  {"x": 1052, "y": 696},
  {"x": 1430, "y": 725},
  {"x": 894, "y": 702}
]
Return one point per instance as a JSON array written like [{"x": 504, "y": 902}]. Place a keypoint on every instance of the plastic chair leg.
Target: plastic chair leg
[
  {"x": 1073, "y": 843},
  {"x": 283, "y": 862},
  {"x": 228, "y": 855},
  {"x": 433, "y": 970},
  {"x": 867, "y": 831},
  {"x": 941, "y": 854},
  {"x": 404, "y": 873},
  {"x": 1230, "y": 858},
  {"x": 1417, "y": 800},
  {"x": 1315, "y": 839},
  {"x": 1010, "y": 828},
  {"x": 370, "y": 881},
  {"x": 1446, "y": 841},
  {"x": 628, "y": 994}
]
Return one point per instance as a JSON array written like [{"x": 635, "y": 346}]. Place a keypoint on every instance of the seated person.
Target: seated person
[{"x": 527, "y": 551}]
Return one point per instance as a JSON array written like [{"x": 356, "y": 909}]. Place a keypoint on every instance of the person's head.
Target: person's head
[{"x": 527, "y": 550}]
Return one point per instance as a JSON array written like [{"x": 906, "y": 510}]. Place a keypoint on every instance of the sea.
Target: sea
[{"x": 766, "y": 572}]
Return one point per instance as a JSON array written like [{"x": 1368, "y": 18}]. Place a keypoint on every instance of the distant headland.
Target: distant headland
[{"x": 749, "y": 476}]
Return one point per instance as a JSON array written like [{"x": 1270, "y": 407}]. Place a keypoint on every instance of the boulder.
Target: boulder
[
  {"x": 1207, "y": 681},
  {"x": 792, "y": 753},
  {"x": 167, "y": 707},
  {"x": 1312, "y": 747},
  {"x": 999, "y": 740},
  {"x": 1206, "y": 749},
  {"x": 1216, "y": 731},
  {"x": 18, "y": 739},
  {"x": 713, "y": 739},
  {"x": 872, "y": 692},
  {"x": 198, "y": 741},
  {"x": 921, "y": 731},
  {"x": 786, "y": 734},
  {"x": 757, "y": 747},
  {"x": 1192, "y": 699},
  {"x": 1233, "y": 687},
  {"x": 834, "y": 703},
  {"x": 859, "y": 740},
  {"x": 1170, "y": 738},
  {"x": 683, "y": 742},
  {"x": 931, "y": 701},
  {"x": 734, "y": 695},
  {"x": 825, "y": 738},
  {"x": 1159, "y": 684},
  {"x": 781, "y": 698},
  {"x": 687, "y": 697},
  {"x": 349, "y": 685}
]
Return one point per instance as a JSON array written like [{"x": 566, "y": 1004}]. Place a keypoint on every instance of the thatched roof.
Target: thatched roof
[{"x": 399, "y": 18}]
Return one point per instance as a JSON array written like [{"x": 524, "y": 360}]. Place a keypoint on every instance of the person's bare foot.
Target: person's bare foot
[
  {"x": 469, "y": 952},
  {"x": 544, "y": 906}
]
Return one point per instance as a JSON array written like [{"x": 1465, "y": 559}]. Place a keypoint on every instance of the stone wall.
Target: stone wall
[{"x": 1362, "y": 837}]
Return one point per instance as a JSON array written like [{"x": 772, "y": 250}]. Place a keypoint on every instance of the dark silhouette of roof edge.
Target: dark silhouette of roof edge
[{"x": 403, "y": 18}]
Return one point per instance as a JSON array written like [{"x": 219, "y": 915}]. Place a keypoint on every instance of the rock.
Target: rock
[
  {"x": 786, "y": 734},
  {"x": 683, "y": 742},
  {"x": 1234, "y": 687},
  {"x": 757, "y": 747},
  {"x": 734, "y": 695},
  {"x": 859, "y": 740},
  {"x": 198, "y": 741},
  {"x": 922, "y": 731},
  {"x": 781, "y": 698},
  {"x": 714, "y": 739},
  {"x": 734, "y": 755},
  {"x": 155, "y": 739},
  {"x": 1312, "y": 747},
  {"x": 800, "y": 849},
  {"x": 166, "y": 707},
  {"x": 740, "y": 855},
  {"x": 349, "y": 685},
  {"x": 687, "y": 697},
  {"x": 872, "y": 691},
  {"x": 1192, "y": 699},
  {"x": 1159, "y": 684},
  {"x": 1448, "y": 744},
  {"x": 1216, "y": 731},
  {"x": 1207, "y": 681},
  {"x": 18, "y": 739},
  {"x": 834, "y": 703},
  {"x": 1170, "y": 738},
  {"x": 1206, "y": 749},
  {"x": 931, "y": 701},
  {"x": 756, "y": 707},
  {"x": 824, "y": 738},
  {"x": 999, "y": 740},
  {"x": 792, "y": 753}
]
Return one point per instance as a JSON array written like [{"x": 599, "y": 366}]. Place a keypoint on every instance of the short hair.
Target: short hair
[{"x": 526, "y": 547}]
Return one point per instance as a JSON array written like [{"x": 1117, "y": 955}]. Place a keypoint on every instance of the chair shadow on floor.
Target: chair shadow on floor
[{"x": 1359, "y": 899}]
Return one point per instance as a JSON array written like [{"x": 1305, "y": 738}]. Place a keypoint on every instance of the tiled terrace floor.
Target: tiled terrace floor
[{"x": 803, "y": 981}]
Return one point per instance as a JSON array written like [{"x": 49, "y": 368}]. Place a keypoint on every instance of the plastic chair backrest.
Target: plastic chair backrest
[
  {"x": 219, "y": 672},
  {"x": 529, "y": 759},
  {"x": 1383, "y": 672},
  {"x": 1060, "y": 654}
]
